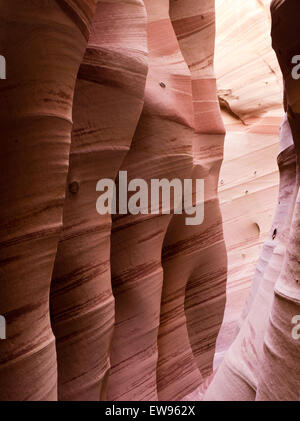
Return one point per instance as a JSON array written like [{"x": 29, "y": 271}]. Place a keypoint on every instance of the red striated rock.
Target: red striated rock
[
  {"x": 237, "y": 377},
  {"x": 280, "y": 373},
  {"x": 250, "y": 94},
  {"x": 180, "y": 135},
  {"x": 168, "y": 278},
  {"x": 161, "y": 148},
  {"x": 193, "y": 296},
  {"x": 166, "y": 145},
  {"x": 107, "y": 104},
  {"x": 35, "y": 113},
  {"x": 262, "y": 363}
]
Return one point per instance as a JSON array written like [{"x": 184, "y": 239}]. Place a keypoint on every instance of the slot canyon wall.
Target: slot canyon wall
[
  {"x": 250, "y": 94},
  {"x": 99, "y": 308},
  {"x": 263, "y": 361},
  {"x": 130, "y": 306}
]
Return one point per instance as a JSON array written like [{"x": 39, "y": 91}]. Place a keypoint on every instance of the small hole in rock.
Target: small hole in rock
[
  {"x": 274, "y": 234},
  {"x": 73, "y": 187}
]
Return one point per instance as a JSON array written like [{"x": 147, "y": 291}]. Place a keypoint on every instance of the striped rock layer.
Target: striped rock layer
[
  {"x": 57, "y": 232},
  {"x": 43, "y": 48},
  {"x": 157, "y": 351},
  {"x": 148, "y": 298},
  {"x": 279, "y": 343},
  {"x": 263, "y": 361},
  {"x": 72, "y": 310},
  {"x": 108, "y": 100},
  {"x": 250, "y": 95},
  {"x": 189, "y": 251},
  {"x": 161, "y": 148}
]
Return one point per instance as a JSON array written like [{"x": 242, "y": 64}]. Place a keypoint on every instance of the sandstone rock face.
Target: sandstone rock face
[
  {"x": 265, "y": 352},
  {"x": 161, "y": 148},
  {"x": 237, "y": 377},
  {"x": 250, "y": 94},
  {"x": 157, "y": 262},
  {"x": 36, "y": 116},
  {"x": 129, "y": 307},
  {"x": 279, "y": 342},
  {"x": 172, "y": 140},
  {"x": 107, "y": 104},
  {"x": 197, "y": 248}
]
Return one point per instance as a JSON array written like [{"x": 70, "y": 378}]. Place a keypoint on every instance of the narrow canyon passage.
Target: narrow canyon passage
[
  {"x": 150, "y": 201},
  {"x": 265, "y": 351}
]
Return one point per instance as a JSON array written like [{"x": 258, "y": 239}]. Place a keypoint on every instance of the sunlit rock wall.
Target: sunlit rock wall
[{"x": 250, "y": 94}]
